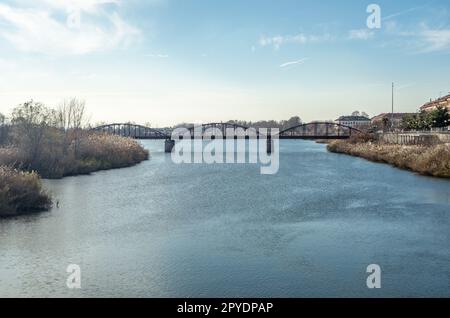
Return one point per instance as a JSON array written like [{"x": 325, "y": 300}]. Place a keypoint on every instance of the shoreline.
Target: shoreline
[
  {"x": 432, "y": 161},
  {"x": 99, "y": 169},
  {"x": 41, "y": 193},
  {"x": 22, "y": 193},
  {"x": 21, "y": 190}
]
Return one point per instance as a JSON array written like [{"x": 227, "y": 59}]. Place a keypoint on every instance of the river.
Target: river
[{"x": 165, "y": 230}]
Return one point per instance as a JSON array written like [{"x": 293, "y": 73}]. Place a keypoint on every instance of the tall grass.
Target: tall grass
[
  {"x": 89, "y": 153},
  {"x": 102, "y": 151},
  {"x": 427, "y": 160},
  {"x": 20, "y": 186},
  {"x": 21, "y": 192},
  {"x": 49, "y": 143}
]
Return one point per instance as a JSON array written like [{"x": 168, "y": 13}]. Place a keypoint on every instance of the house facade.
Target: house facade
[
  {"x": 440, "y": 102},
  {"x": 433, "y": 104},
  {"x": 389, "y": 120},
  {"x": 354, "y": 121}
]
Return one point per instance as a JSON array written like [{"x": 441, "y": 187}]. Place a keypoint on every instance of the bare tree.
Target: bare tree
[
  {"x": 3, "y": 129},
  {"x": 71, "y": 114},
  {"x": 30, "y": 122},
  {"x": 71, "y": 117}
]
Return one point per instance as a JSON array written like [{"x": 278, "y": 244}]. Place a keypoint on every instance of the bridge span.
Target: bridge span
[
  {"x": 309, "y": 131},
  {"x": 313, "y": 130}
]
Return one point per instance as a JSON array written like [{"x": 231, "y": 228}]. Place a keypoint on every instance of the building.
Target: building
[
  {"x": 388, "y": 120},
  {"x": 354, "y": 121},
  {"x": 440, "y": 102},
  {"x": 433, "y": 104}
]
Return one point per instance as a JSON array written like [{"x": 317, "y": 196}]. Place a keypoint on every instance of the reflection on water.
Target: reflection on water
[{"x": 164, "y": 230}]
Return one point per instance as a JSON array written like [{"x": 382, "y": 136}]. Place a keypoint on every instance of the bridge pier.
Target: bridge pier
[
  {"x": 168, "y": 145},
  {"x": 269, "y": 144}
]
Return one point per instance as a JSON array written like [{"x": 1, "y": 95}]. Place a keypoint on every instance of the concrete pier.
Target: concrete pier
[
  {"x": 168, "y": 145},
  {"x": 269, "y": 144}
]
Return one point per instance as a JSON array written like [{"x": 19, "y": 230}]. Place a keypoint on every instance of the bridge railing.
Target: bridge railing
[
  {"x": 319, "y": 130},
  {"x": 132, "y": 131},
  {"x": 223, "y": 130},
  {"x": 315, "y": 130}
]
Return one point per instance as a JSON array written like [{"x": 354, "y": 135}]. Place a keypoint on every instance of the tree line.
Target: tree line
[
  {"x": 282, "y": 124},
  {"x": 55, "y": 142},
  {"x": 426, "y": 120}
]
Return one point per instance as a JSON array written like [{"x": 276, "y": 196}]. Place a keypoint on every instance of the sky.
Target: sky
[{"x": 164, "y": 62}]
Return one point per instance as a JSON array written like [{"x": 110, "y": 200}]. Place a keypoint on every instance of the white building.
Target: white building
[{"x": 354, "y": 121}]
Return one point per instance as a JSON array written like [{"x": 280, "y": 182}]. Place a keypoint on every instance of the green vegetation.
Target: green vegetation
[
  {"x": 53, "y": 144},
  {"x": 427, "y": 160},
  {"x": 425, "y": 120}
]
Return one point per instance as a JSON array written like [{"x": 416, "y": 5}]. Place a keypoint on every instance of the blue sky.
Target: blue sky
[{"x": 167, "y": 61}]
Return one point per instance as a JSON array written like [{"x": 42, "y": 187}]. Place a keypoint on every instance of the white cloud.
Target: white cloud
[
  {"x": 435, "y": 40},
  {"x": 279, "y": 40},
  {"x": 291, "y": 63},
  {"x": 421, "y": 39},
  {"x": 159, "y": 56},
  {"x": 360, "y": 34},
  {"x": 84, "y": 5},
  {"x": 35, "y": 29}
]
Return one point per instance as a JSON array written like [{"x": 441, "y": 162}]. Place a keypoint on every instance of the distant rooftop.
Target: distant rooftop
[
  {"x": 443, "y": 101},
  {"x": 390, "y": 115},
  {"x": 353, "y": 118}
]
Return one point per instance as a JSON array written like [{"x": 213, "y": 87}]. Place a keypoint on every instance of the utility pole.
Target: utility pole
[{"x": 392, "y": 111}]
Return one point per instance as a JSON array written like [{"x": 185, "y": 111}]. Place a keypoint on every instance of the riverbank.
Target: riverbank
[
  {"x": 426, "y": 160},
  {"x": 90, "y": 153},
  {"x": 323, "y": 141},
  {"x": 104, "y": 152},
  {"x": 20, "y": 186},
  {"x": 21, "y": 192},
  {"x": 53, "y": 143}
]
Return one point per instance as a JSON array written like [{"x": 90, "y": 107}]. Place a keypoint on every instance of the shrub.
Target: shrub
[
  {"x": 88, "y": 153},
  {"x": 103, "y": 151},
  {"x": 427, "y": 160},
  {"x": 54, "y": 143},
  {"x": 362, "y": 137},
  {"x": 21, "y": 192}
]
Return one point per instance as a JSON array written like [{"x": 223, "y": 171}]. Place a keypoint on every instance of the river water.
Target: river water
[{"x": 166, "y": 230}]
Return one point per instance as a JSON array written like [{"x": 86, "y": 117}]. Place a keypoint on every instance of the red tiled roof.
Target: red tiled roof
[{"x": 444, "y": 101}]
